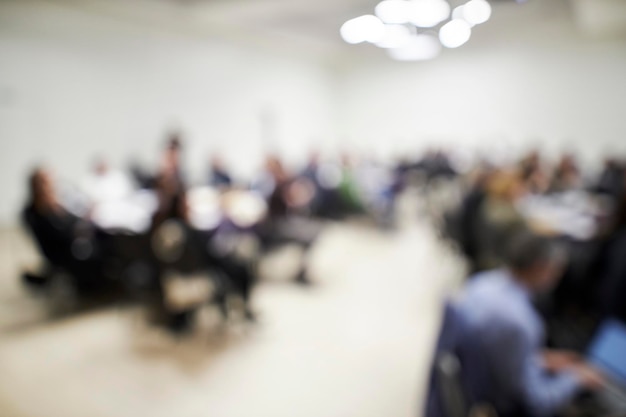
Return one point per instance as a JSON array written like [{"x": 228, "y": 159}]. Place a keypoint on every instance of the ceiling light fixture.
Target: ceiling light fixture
[
  {"x": 417, "y": 48},
  {"x": 395, "y": 36},
  {"x": 428, "y": 13},
  {"x": 393, "y": 11},
  {"x": 399, "y": 26}
]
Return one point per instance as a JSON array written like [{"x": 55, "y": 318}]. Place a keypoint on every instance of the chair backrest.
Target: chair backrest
[
  {"x": 176, "y": 247},
  {"x": 447, "y": 368},
  {"x": 458, "y": 377}
]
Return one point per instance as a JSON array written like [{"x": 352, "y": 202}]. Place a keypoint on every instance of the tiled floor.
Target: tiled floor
[{"x": 357, "y": 344}]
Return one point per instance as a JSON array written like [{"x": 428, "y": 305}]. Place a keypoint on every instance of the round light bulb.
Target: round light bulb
[
  {"x": 428, "y": 13},
  {"x": 457, "y": 12},
  {"x": 476, "y": 12},
  {"x": 455, "y": 33},
  {"x": 393, "y": 11},
  {"x": 366, "y": 28}
]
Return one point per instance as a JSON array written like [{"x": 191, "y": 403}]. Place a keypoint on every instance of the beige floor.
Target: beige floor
[{"x": 357, "y": 344}]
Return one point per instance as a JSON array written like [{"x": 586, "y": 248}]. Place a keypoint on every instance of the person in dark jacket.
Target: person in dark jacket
[{"x": 68, "y": 242}]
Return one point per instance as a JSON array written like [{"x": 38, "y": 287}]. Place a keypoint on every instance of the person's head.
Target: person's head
[
  {"x": 567, "y": 164},
  {"x": 172, "y": 204},
  {"x": 173, "y": 149},
  {"x": 506, "y": 185},
  {"x": 275, "y": 167},
  {"x": 532, "y": 158},
  {"x": 314, "y": 158},
  {"x": 174, "y": 142},
  {"x": 41, "y": 188},
  {"x": 100, "y": 166},
  {"x": 536, "y": 261},
  {"x": 216, "y": 162}
]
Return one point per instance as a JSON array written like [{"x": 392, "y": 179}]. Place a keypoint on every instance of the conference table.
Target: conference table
[
  {"x": 574, "y": 214},
  {"x": 207, "y": 209}
]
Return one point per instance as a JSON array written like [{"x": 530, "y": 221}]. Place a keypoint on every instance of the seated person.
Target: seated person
[
  {"x": 219, "y": 176},
  {"x": 465, "y": 222},
  {"x": 499, "y": 339},
  {"x": 611, "y": 179},
  {"x": 66, "y": 241},
  {"x": 533, "y": 174},
  {"x": 611, "y": 281},
  {"x": 171, "y": 169},
  {"x": 193, "y": 253},
  {"x": 566, "y": 175},
  {"x": 498, "y": 217},
  {"x": 283, "y": 223}
]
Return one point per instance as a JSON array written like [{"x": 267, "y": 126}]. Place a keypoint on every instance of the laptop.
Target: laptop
[{"x": 607, "y": 352}]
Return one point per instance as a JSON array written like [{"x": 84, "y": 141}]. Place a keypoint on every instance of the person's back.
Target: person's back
[
  {"x": 52, "y": 227},
  {"x": 498, "y": 314},
  {"x": 498, "y": 219}
]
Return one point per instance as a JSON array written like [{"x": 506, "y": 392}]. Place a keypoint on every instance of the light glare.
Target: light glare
[
  {"x": 476, "y": 12},
  {"x": 457, "y": 13},
  {"x": 366, "y": 28},
  {"x": 395, "y": 36},
  {"x": 418, "y": 48},
  {"x": 428, "y": 13},
  {"x": 393, "y": 11},
  {"x": 455, "y": 33}
]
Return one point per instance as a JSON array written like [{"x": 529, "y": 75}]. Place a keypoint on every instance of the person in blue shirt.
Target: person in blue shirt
[{"x": 499, "y": 338}]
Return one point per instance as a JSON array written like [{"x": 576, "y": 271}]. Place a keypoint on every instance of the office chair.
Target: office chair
[{"x": 453, "y": 398}]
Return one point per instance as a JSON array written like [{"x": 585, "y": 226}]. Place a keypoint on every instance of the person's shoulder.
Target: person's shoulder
[{"x": 490, "y": 293}]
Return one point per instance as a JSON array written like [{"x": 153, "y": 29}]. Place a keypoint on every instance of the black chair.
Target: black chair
[
  {"x": 191, "y": 275},
  {"x": 453, "y": 392},
  {"x": 448, "y": 378}
]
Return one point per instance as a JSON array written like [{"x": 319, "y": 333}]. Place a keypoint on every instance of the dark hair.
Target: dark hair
[
  {"x": 34, "y": 182},
  {"x": 174, "y": 142},
  {"x": 525, "y": 249}
]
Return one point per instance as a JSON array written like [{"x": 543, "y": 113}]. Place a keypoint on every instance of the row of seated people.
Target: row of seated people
[
  {"x": 492, "y": 210},
  {"x": 323, "y": 188},
  {"x": 102, "y": 257},
  {"x": 101, "y": 262},
  {"x": 519, "y": 281}
]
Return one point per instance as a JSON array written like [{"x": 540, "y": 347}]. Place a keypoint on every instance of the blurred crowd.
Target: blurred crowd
[
  {"x": 537, "y": 329},
  {"x": 544, "y": 243},
  {"x": 151, "y": 236},
  {"x": 585, "y": 213}
]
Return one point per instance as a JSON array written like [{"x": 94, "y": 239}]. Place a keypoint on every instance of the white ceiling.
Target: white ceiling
[{"x": 312, "y": 27}]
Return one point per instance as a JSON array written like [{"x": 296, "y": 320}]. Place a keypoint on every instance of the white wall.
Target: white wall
[
  {"x": 74, "y": 85},
  {"x": 557, "y": 94}
]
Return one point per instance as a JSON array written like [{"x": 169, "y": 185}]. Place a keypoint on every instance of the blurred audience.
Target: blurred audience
[{"x": 170, "y": 235}]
